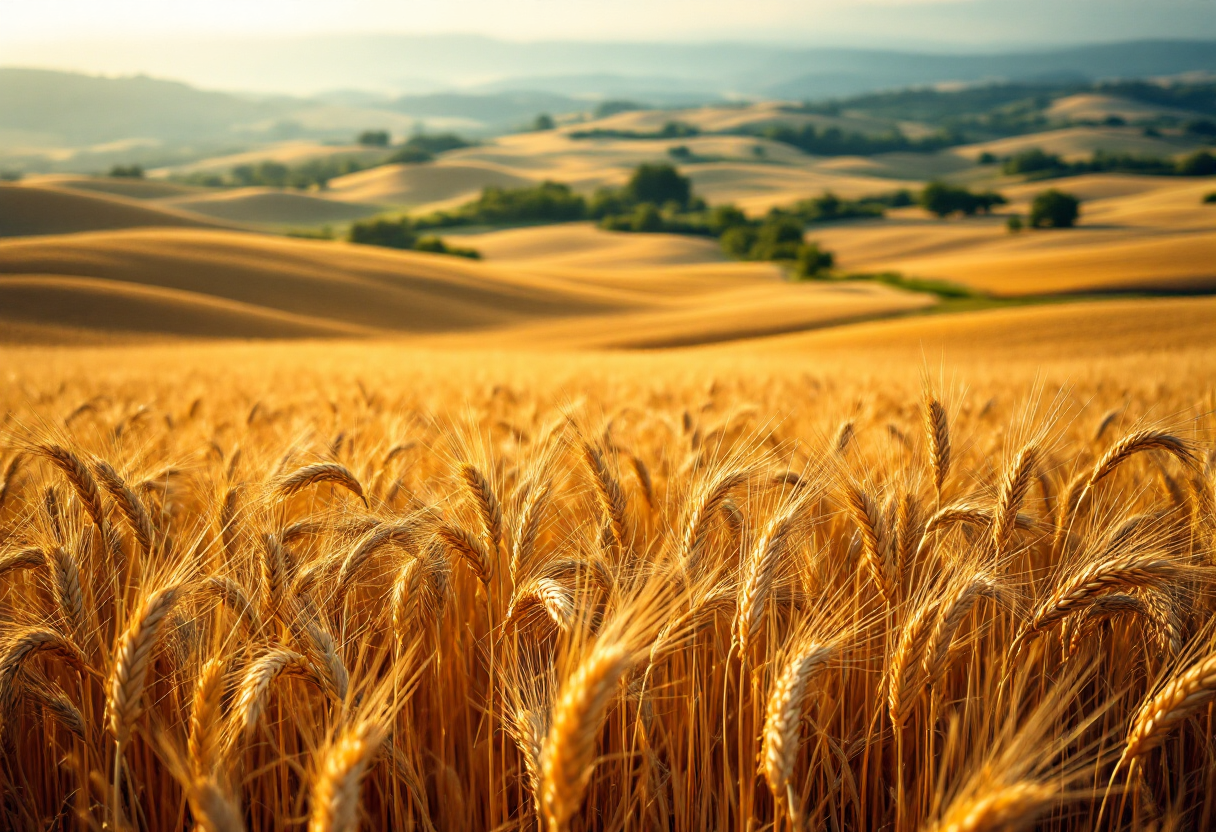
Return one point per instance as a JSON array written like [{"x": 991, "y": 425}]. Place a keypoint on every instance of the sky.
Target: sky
[{"x": 31, "y": 21}]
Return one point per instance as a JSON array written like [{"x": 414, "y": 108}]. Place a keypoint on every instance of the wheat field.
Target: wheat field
[{"x": 349, "y": 587}]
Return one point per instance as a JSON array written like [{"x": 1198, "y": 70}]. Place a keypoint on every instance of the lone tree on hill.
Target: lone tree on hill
[
  {"x": 660, "y": 184},
  {"x": 374, "y": 138},
  {"x": 1054, "y": 209}
]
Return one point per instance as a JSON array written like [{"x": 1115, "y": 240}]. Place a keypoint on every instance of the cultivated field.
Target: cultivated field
[
  {"x": 607, "y": 530},
  {"x": 355, "y": 583}
]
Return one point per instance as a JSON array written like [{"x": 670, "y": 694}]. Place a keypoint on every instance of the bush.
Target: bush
[
  {"x": 1054, "y": 209},
  {"x": 1210, "y": 199},
  {"x": 613, "y": 106},
  {"x": 410, "y": 156},
  {"x": 384, "y": 232},
  {"x": 779, "y": 238},
  {"x": 401, "y": 233},
  {"x": 1032, "y": 161},
  {"x": 434, "y": 245},
  {"x": 543, "y": 122},
  {"x": 680, "y": 152},
  {"x": 738, "y": 241},
  {"x": 946, "y": 200},
  {"x": 986, "y": 158},
  {"x": 1201, "y": 163},
  {"x": 374, "y": 138},
  {"x": 812, "y": 261},
  {"x": 127, "y": 172},
  {"x": 1014, "y": 223},
  {"x": 659, "y": 183}
]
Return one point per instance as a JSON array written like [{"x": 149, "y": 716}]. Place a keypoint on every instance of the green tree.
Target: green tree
[
  {"x": 738, "y": 241},
  {"x": 1201, "y": 163},
  {"x": 384, "y": 232},
  {"x": 374, "y": 138},
  {"x": 659, "y": 183},
  {"x": 812, "y": 261},
  {"x": 646, "y": 217},
  {"x": 544, "y": 121},
  {"x": 779, "y": 238},
  {"x": 1210, "y": 199},
  {"x": 127, "y": 172},
  {"x": 1014, "y": 223},
  {"x": 1054, "y": 209}
]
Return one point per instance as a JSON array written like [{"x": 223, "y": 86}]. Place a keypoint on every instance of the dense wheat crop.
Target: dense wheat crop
[{"x": 335, "y": 602}]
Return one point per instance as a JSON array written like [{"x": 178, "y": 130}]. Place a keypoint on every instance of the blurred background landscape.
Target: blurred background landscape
[{"x": 598, "y": 179}]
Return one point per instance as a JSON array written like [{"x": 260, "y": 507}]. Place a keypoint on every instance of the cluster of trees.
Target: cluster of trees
[
  {"x": 423, "y": 147},
  {"x": 127, "y": 172},
  {"x": 1050, "y": 209},
  {"x": 832, "y": 141},
  {"x": 670, "y": 130},
  {"x": 1039, "y": 164},
  {"x": 312, "y": 174},
  {"x": 612, "y": 106},
  {"x": 947, "y": 200},
  {"x": 374, "y": 138},
  {"x": 403, "y": 234},
  {"x": 1209, "y": 199},
  {"x": 546, "y": 202}
]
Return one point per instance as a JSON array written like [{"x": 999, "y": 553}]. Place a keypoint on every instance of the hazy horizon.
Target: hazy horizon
[{"x": 196, "y": 43}]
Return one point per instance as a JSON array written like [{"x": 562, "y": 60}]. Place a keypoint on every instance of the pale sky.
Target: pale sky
[{"x": 41, "y": 20}]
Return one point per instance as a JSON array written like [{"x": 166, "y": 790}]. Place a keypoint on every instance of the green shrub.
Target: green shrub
[
  {"x": 1210, "y": 199},
  {"x": 1014, "y": 223},
  {"x": 1200, "y": 163},
  {"x": 946, "y": 200},
  {"x": 812, "y": 261},
  {"x": 397, "y": 233},
  {"x": 658, "y": 183},
  {"x": 434, "y": 245},
  {"x": 127, "y": 172},
  {"x": 374, "y": 138},
  {"x": 1054, "y": 209}
]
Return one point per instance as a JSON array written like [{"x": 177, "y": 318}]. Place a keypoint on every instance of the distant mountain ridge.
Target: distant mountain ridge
[{"x": 61, "y": 109}]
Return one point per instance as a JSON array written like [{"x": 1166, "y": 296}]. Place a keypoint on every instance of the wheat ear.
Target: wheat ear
[
  {"x": 1135, "y": 570},
  {"x": 568, "y": 757},
  {"x": 204, "y": 740},
  {"x": 1006, "y": 808},
  {"x": 254, "y": 690},
  {"x": 759, "y": 573},
  {"x": 608, "y": 492},
  {"x": 466, "y": 544},
  {"x": 133, "y": 658},
  {"x": 905, "y": 670},
  {"x": 937, "y": 428},
  {"x": 703, "y": 504},
  {"x": 549, "y": 594},
  {"x": 335, "y": 793},
  {"x": 488, "y": 507},
  {"x": 948, "y": 621},
  {"x": 1013, "y": 492},
  {"x": 130, "y": 506},
  {"x": 21, "y": 646},
  {"x": 865, "y": 515},
  {"x": 317, "y": 473},
  {"x": 530, "y": 518},
  {"x": 782, "y": 722},
  {"x": 1183, "y": 695}
]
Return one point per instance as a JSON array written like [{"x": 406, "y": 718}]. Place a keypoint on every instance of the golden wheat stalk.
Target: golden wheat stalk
[
  {"x": 905, "y": 672},
  {"x": 1006, "y": 808},
  {"x": 489, "y": 510},
  {"x": 317, "y": 473},
  {"x": 865, "y": 515},
  {"x": 531, "y": 516},
  {"x": 1013, "y": 492},
  {"x": 204, "y": 739},
  {"x": 555, "y": 599},
  {"x": 464, "y": 543},
  {"x": 130, "y": 506},
  {"x": 760, "y": 571},
  {"x": 568, "y": 755},
  {"x": 334, "y": 800},
  {"x": 65, "y": 586},
  {"x": 402, "y": 535},
  {"x": 28, "y": 558},
  {"x": 1139, "y": 569},
  {"x": 937, "y": 429},
  {"x": 132, "y": 660},
  {"x": 951, "y": 616},
  {"x": 1183, "y": 695},
  {"x": 608, "y": 492},
  {"x": 20, "y": 646},
  {"x": 231, "y": 594},
  {"x": 254, "y": 690},
  {"x": 213, "y": 807},
  {"x": 703, "y": 504},
  {"x": 782, "y": 723}
]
